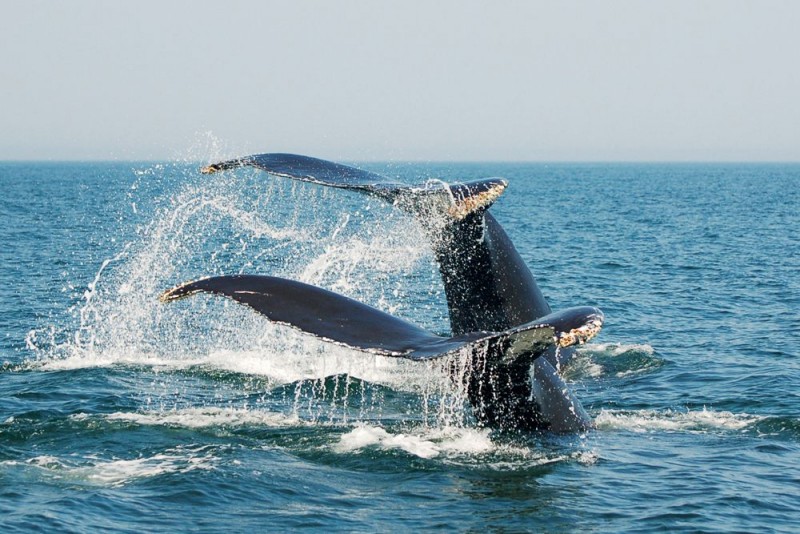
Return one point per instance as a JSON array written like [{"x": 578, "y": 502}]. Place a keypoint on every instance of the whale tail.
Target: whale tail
[
  {"x": 344, "y": 321},
  {"x": 498, "y": 387},
  {"x": 454, "y": 201}
]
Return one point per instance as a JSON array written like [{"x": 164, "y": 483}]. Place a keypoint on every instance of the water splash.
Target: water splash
[
  {"x": 446, "y": 402},
  {"x": 192, "y": 225},
  {"x": 456, "y": 446},
  {"x": 422, "y": 443}
]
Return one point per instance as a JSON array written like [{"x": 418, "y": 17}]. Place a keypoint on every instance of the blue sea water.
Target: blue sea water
[{"x": 122, "y": 414}]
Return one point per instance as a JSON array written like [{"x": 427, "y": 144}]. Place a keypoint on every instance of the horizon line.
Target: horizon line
[{"x": 433, "y": 161}]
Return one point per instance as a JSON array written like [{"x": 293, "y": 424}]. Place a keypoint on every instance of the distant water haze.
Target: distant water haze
[{"x": 358, "y": 80}]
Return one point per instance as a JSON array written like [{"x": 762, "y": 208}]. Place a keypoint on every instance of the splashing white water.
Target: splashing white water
[
  {"x": 455, "y": 446},
  {"x": 426, "y": 444},
  {"x": 234, "y": 223}
]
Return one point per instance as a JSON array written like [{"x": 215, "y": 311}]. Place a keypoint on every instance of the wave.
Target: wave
[
  {"x": 620, "y": 360},
  {"x": 116, "y": 472},
  {"x": 457, "y": 445},
  {"x": 697, "y": 421},
  {"x": 777, "y": 427},
  {"x": 426, "y": 444},
  {"x": 203, "y": 417},
  {"x": 454, "y": 445}
]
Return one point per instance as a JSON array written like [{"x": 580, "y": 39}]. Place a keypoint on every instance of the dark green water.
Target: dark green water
[{"x": 118, "y": 413}]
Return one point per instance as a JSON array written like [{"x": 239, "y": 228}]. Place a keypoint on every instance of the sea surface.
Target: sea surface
[{"x": 122, "y": 414}]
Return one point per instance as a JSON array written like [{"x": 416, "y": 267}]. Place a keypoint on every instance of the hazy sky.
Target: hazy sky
[{"x": 381, "y": 80}]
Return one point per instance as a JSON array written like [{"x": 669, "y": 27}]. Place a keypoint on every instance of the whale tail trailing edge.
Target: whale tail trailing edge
[{"x": 344, "y": 321}]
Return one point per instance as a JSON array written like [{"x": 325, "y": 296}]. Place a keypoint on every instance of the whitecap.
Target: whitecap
[
  {"x": 463, "y": 446},
  {"x": 696, "y": 421},
  {"x": 424, "y": 443},
  {"x": 204, "y": 417},
  {"x": 117, "y": 471},
  {"x": 617, "y": 349}
]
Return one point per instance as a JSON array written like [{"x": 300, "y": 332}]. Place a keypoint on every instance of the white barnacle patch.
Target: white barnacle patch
[
  {"x": 464, "y": 206},
  {"x": 581, "y": 334}
]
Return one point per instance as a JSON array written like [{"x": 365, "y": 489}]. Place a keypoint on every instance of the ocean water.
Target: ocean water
[{"x": 122, "y": 414}]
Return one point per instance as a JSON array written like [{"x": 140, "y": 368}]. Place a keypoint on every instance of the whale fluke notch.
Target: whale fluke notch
[{"x": 344, "y": 321}]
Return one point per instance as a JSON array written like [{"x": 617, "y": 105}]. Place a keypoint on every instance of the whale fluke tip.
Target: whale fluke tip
[
  {"x": 583, "y": 333},
  {"x": 211, "y": 168},
  {"x": 181, "y": 291},
  {"x": 468, "y": 201}
]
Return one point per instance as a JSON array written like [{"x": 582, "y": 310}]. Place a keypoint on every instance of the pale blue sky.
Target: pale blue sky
[{"x": 380, "y": 80}]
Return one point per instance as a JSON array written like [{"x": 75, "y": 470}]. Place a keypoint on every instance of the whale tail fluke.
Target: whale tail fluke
[
  {"x": 456, "y": 201},
  {"x": 344, "y": 321}
]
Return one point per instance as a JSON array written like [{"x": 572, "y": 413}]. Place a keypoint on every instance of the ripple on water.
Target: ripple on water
[{"x": 618, "y": 360}]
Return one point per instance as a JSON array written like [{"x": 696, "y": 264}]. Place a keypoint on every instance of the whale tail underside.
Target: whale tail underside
[{"x": 344, "y": 321}]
